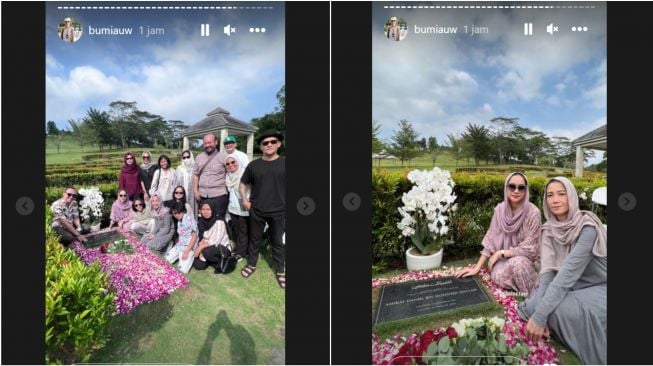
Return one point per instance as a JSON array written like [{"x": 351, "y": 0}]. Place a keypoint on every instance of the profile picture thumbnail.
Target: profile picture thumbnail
[
  {"x": 70, "y": 30},
  {"x": 395, "y": 29}
]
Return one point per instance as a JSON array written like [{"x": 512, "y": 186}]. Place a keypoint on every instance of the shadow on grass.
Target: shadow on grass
[
  {"x": 243, "y": 349},
  {"x": 132, "y": 332}
]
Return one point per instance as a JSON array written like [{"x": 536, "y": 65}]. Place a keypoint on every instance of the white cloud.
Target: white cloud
[
  {"x": 52, "y": 62},
  {"x": 598, "y": 93},
  {"x": 183, "y": 80}
]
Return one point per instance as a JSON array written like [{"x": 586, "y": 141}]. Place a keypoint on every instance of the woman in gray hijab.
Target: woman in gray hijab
[{"x": 570, "y": 298}]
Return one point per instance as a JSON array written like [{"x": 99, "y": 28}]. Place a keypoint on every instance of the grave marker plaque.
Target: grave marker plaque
[{"x": 413, "y": 299}]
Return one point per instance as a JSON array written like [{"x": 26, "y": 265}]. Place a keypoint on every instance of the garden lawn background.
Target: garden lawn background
[{"x": 223, "y": 319}]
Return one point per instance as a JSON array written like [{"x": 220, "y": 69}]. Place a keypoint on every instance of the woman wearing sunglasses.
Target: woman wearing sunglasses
[
  {"x": 141, "y": 221},
  {"x": 511, "y": 244},
  {"x": 185, "y": 177},
  {"x": 130, "y": 176},
  {"x": 121, "y": 211},
  {"x": 570, "y": 299}
]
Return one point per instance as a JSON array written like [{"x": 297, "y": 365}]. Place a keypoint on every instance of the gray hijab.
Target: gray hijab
[{"x": 558, "y": 237}]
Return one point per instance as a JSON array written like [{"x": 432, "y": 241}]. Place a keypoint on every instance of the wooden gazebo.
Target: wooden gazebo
[
  {"x": 222, "y": 124},
  {"x": 596, "y": 140}
]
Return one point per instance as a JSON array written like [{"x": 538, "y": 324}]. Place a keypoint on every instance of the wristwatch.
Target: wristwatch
[{"x": 503, "y": 253}]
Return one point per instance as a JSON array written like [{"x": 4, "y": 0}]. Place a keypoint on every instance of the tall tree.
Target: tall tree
[
  {"x": 100, "y": 123},
  {"x": 478, "y": 140},
  {"x": 121, "y": 113},
  {"x": 275, "y": 120},
  {"x": 377, "y": 144},
  {"x": 404, "y": 142},
  {"x": 433, "y": 149},
  {"x": 52, "y": 129},
  {"x": 501, "y": 130},
  {"x": 456, "y": 145}
]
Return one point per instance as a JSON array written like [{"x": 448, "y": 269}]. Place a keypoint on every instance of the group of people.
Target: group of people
[
  {"x": 561, "y": 265},
  {"x": 189, "y": 206}
]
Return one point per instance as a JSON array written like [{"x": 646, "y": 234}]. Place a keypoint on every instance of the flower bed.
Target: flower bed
[
  {"x": 387, "y": 352},
  {"x": 136, "y": 278}
]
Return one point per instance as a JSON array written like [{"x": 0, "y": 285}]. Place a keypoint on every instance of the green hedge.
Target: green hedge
[
  {"x": 477, "y": 194},
  {"x": 78, "y": 304},
  {"x": 93, "y": 178}
]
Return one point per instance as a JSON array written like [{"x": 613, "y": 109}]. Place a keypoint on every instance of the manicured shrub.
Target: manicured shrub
[
  {"x": 93, "y": 178},
  {"x": 78, "y": 305},
  {"x": 478, "y": 194}
]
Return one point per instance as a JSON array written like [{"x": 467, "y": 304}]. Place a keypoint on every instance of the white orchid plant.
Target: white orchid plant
[
  {"x": 91, "y": 205},
  {"x": 427, "y": 207}
]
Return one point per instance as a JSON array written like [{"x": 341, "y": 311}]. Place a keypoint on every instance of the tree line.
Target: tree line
[
  {"x": 124, "y": 125},
  {"x": 504, "y": 142}
]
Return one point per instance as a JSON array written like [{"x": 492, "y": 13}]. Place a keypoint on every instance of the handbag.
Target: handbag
[{"x": 227, "y": 262}]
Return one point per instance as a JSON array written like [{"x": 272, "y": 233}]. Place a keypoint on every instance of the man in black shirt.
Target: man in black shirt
[{"x": 265, "y": 178}]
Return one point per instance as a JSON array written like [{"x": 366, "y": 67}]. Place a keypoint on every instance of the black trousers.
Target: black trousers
[
  {"x": 218, "y": 204},
  {"x": 240, "y": 226},
  {"x": 277, "y": 226},
  {"x": 65, "y": 237},
  {"x": 212, "y": 255}
]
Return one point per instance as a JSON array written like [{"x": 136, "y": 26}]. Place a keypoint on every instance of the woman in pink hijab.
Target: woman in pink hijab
[{"x": 511, "y": 244}]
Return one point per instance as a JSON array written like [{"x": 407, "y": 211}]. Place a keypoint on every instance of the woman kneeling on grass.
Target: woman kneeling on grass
[
  {"x": 214, "y": 242},
  {"x": 571, "y": 294},
  {"x": 187, "y": 230},
  {"x": 512, "y": 242}
]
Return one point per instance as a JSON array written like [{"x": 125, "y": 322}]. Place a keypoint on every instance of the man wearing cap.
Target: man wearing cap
[
  {"x": 230, "y": 145},
  {"x": 68, "y": 31},
  {"x": 209, "y": 184},
  {"x": 394, "y": 32},
  {"x": 265, "y": 177}
]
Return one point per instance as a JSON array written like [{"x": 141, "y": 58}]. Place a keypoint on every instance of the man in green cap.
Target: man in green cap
[{"x": 230, "y": 146}]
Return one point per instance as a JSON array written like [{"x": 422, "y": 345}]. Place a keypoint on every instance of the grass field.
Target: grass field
[
  {"x": 446, "y": 160},
  {"x": 216, "y": 319}
]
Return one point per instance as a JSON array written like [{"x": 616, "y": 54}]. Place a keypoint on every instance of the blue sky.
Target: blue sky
[
  {"x": 179, "y": 75},
  {"x": 440, "y": 83}
]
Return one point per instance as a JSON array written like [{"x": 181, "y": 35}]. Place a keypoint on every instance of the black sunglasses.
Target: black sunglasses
[
  {"x": 179, "y": 192},
  {"x": 71, "y": 194},
  {"x": 230, "y": 163},
  {"x": 138, "y": 204},
  {"x": 185, "y": 157},
  {"x": 122, "y": 195},
  {"x": 266, "y": 143},
  {"x": 513, "y": 187},
  {"x": 129, "y": 158}
]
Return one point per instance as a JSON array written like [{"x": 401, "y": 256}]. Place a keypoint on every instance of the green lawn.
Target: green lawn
[
  {"x": 216, "y": 319},
  {"x": 446, "y": 160}
]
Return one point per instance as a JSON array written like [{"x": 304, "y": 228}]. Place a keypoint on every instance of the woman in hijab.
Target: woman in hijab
[
  {"x": 130, "y": 178},
  {"x": 511, "y": 244},
  {"x": 164, "y": 179},
  {"x": 185, "y": 177},
  {"x": 239, "y": 214},
  {"x": 146, "y": 172},
  {"x": 571, "y": 294},
  {"x": 121, "y": 211},
  {"x": 214, "y": 242},
  {"x": 164, "y": 227}
]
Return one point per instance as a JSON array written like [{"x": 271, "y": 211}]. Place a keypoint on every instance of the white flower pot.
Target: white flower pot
[
  {"x": 416, "y": 262},
  {"x": 96, "y": 227}
]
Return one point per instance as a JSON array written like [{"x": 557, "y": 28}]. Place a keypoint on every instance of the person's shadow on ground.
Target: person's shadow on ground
[{"x": 243, "y": 349}]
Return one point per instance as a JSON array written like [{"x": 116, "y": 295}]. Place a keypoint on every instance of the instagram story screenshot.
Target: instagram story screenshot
[
  {"x": 155, "y": 117},
  {"x": 489, "y": 183},
  {"x": 164, "y": 209}
]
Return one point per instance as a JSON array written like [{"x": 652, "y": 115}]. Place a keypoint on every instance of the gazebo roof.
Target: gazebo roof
[
  {"x": 595, "y": 139},
  {"x": 218, "y": 119}
]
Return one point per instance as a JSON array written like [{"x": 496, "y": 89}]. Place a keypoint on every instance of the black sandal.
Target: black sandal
[
  {"x": 281, "y": 279},
  {"x": 247, "y": 271}
]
